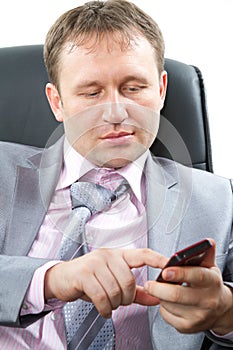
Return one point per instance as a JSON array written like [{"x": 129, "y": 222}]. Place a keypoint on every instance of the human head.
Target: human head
[
  {"x": 100, "y": 18},
  {"x": 107, "y": 80}
]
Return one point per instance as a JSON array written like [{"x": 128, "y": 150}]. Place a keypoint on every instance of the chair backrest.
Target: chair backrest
[{"x": 25, "y": 115}]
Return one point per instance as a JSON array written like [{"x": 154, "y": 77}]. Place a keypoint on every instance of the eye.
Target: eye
[
  {"x": 132, "y": 89},
  {"x": 92, "y": 94},
  {"x": 89, "y": 94}
]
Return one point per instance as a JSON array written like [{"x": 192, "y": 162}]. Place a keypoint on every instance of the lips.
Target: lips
[{"x": 115, "y": 135}]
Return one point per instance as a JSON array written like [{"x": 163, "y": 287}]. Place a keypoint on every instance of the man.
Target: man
[{"x": 105, "y": 62}]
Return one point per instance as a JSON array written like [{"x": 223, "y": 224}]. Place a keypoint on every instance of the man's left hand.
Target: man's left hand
[{"x": 202, "y": 302}]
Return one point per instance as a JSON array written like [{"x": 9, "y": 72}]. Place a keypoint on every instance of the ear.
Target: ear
[
  {"x": 163, "y": 87},
  {"x": 55, "y": 102}
]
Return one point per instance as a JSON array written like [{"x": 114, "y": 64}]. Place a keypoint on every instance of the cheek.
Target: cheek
[
  {"x": 148, "y": 133},
  {"x": 79, "y": 134},
  {"x": 82, "y": 126},
  {"x": 146, "y": 119}
]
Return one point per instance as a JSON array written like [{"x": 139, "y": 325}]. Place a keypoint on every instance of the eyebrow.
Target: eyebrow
[
  {"x": 90, "y": 83},
  {"x": 87, "y": 83},
  {"x": 137, "y": 77}
]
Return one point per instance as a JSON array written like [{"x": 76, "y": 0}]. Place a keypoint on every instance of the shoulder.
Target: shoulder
[
  {"x": 203, "y": 184},
  {"x": 13, "y": 155},
  {"x": 203, "y": 199},
  {"x": 14, "y": 152}
]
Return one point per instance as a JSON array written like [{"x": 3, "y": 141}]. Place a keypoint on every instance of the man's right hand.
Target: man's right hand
[{"x": 103, "y": 277}]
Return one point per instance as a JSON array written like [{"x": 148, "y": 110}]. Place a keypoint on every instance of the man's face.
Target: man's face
[{"x": 109, "y": 100}]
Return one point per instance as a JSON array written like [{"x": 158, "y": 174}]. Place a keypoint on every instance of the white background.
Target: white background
[{"x": 198, "y": 32}]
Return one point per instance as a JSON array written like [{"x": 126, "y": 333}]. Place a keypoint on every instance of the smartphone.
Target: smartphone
[{"x": 192, "y": 256}]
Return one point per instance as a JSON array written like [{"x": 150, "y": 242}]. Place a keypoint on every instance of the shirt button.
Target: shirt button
[
  {"x": 101, "y": 171},
  {"x": 24, "y": 306},
  {"x": 53, "y": 316}
]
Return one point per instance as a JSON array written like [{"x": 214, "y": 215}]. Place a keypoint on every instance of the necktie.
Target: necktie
[{"x": 85, "y": 327}]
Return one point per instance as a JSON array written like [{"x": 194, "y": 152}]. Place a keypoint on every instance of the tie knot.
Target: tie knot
[
  {"x": 105, "y": 177},
  {"x": 95, "y": 197}
]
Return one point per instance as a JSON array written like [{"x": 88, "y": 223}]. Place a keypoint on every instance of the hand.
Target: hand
[
  {"x": 203, "y": 303},
  {"x": 104, "y": 277}
]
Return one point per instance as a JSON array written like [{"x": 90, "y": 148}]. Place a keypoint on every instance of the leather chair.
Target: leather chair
[{"x": 25, "y": 115}]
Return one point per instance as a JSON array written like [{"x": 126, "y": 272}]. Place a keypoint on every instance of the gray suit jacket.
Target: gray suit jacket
[{"x": 183, "y": 206}]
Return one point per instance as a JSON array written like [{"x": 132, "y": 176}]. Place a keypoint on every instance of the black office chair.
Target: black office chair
[{"x": 25, "y": 115}]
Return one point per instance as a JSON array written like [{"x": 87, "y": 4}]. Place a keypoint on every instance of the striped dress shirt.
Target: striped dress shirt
[{"x": 131, "y": 322}]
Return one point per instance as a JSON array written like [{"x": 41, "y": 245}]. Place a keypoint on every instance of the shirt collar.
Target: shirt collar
[{"x": 76, "y": 166}]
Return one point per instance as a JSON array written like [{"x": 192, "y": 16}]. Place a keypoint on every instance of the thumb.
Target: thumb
[
  {"x": 143, "y": 298},
  {"x": 209, "y": 260}
]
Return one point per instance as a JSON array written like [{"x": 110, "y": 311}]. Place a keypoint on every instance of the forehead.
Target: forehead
[
  {"x": 106, "y": 60},
  {"x": 113, "y": 44}
]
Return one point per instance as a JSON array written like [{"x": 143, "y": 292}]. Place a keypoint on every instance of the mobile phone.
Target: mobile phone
[{"x": 192, "y": 255}]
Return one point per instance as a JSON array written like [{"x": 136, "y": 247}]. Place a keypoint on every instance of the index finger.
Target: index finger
[{"x": 143, "y": 256}]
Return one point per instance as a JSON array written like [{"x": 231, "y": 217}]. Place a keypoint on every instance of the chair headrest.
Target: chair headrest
[{"x": 25, "y": 115}]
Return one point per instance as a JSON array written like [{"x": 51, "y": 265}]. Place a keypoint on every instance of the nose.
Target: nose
[{"x": 115, "y": 111}]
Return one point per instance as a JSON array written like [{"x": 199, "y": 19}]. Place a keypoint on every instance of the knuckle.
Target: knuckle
[
  {"x": 176, "y": 296},
  {"x": 128, "y": 292},
  {"x": 200, "y": 318},
  {"x": 218, "y": 284},
  {"x": 114, "y": 292},
  {"x": 212, "y": 303},
  {"x": 95, "y": 259},
  {"x": 104, "y": 251},
  {"x": 146, "y": 251},
  {"x": 99, "y": 298},
  {"x": 185, "y": 327},
  {"x": 86, "y": 270},
  {"x": 130, "y": 283},
  {"x": 201, "y": 276}
]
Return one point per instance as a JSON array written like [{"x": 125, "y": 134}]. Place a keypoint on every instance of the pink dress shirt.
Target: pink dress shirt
[
  {"x": 129, "y": 226},
  {"x": 131, "y": 323}
]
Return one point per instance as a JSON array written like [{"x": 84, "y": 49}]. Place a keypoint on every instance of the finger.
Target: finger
[
  {"x": 143, "y": 298},
  {"x": 143, "y": 256},
  {"x": 177, "y": 294},
  {"x": 97, "y": 294},
  {"x": 195, "y": 276},
  {"x": 125, "y": 279},
  {"x": 182, "y": 322},
  {"x": 111, "y": 286}
]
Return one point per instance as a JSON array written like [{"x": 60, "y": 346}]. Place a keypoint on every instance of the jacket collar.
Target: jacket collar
[{"x": 35, "y": 185}]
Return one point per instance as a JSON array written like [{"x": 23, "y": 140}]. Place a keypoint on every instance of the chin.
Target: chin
[
  {"x": 115, "y": 158},
  {"x": 116, "y": 163}
]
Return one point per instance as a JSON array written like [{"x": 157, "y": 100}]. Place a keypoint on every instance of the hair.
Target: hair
[{"x": 118, "y": 18}]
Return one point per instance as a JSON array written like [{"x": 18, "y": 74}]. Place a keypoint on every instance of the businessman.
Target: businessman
[{"x": 107, "y": 86}]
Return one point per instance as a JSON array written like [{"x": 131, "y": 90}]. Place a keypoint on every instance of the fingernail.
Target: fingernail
[{"x": 169, "y": 275}]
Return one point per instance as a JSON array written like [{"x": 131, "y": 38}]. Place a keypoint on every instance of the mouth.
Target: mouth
[
  {"x": 119, "y": 138},
  {"x": 116, "y": 135}
]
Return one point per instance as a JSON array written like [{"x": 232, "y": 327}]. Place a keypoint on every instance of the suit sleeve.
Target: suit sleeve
[
  {"x": 226, "y": 341},
  {"x": 34, "y": 302},
  {"x": 16, "y": 274}
]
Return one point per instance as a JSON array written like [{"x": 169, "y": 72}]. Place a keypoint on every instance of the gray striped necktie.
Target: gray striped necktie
[{"x": 85, "y": 327}]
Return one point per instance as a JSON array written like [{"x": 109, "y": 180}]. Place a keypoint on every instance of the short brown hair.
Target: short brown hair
[{"x": 100, "y": 18}]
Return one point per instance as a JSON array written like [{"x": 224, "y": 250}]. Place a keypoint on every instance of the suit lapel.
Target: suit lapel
[
  {"x": 162, "y": 199},
  {"x": 169, "y": 187},
  {"x": 35, "y": 185}
]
